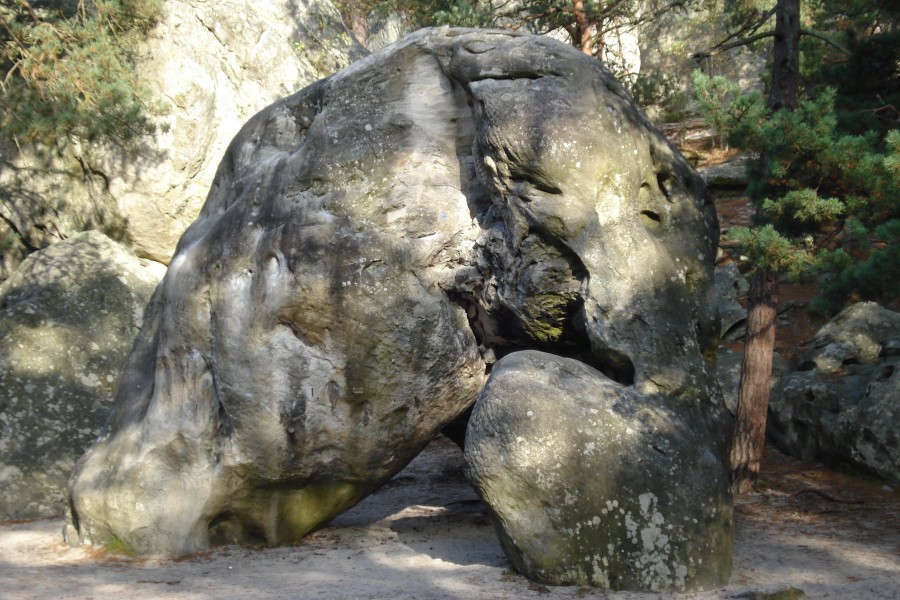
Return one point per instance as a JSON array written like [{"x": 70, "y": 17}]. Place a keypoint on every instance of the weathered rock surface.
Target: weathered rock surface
[
  {"x": 860, "y": 334},
  {"x": 728, "y": 370},
  {"x": 592, "y": 483},
  {"x": 68, "y": 317},
  {"x": 731, "y": 285},
  {"x": 841, "y": 406},
  {"x": 213, "y": 65},
  {"x": 728, "y": 175},
  {"x": 368, "y": 245}
]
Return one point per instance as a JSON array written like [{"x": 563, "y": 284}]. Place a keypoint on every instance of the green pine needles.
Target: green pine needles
[
  {"x": 68, "y": 73},
  {"x": 828, "y": 203}
]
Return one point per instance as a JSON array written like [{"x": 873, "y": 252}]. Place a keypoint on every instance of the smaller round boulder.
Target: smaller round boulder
[
  {"x": 593, "y": 483},
  {"x": 68, "y": 317}
]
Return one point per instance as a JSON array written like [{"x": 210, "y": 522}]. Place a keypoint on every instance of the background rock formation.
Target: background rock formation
[
  {"x": 368, "y": 246},
  {"x": 592, "y": 483},
  {"x": 840, "y": 406},
  {"x": 212, "y": 65},
  {"x": 68, "y": 318}
]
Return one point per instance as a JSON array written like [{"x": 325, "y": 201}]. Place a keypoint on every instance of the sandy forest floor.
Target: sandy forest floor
[{"x": 426, "y": 536}]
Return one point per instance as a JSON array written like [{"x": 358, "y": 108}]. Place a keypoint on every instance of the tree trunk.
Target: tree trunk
[
  {"x": 584, "y": 28},
  {"x": 786, "y": 56},
  {"x": 756, "y": 375},
  {"x": 359, "y": 26},
  {"x": 756, "y": 369}
]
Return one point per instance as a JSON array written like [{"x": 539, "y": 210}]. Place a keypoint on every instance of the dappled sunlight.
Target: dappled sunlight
[
  {"x": 403, "y": 544},
  {"x": 811, "y": 561}
]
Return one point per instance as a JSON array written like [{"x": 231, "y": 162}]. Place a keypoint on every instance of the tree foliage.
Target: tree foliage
[
  {"x": 588, "y": 23},
  {"x": 850, "y": 45},
  {"x": 828, "y": 200},
  {"x": 596, "y": 27},
  {"x": 68, "y": 71},
  {"x": 867, "y": 77}
]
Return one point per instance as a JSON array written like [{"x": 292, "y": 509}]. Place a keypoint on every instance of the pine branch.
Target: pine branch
[
  {"x": 554, "y": 10},
  {"x": 826, "y": 39},
  {"x": 727, "y": 44},
  {"x": 30, "y": 11},
  {"x": 720, "y": 48}
]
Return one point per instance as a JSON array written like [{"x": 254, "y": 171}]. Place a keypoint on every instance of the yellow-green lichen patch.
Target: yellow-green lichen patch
[{"x": 301, "y": 511}]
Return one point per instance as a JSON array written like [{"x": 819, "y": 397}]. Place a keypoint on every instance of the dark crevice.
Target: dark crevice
[
  {"x": 224, "y": 422},
  {"x": 73, "y": 514},
  {"x": 573, "y": 343},
  {"x": 662, "y": 180},
  {"x": 615, "y": 365},
  {"x": 653, "y": 216},
  {"x": 510, "y": 76},
  {"x": 886, "y": 373},
  {"x": 806, "y": 365},
  {"x": 230, "y": 528},
  {"x": 537, "y": 183},
  {"x": 734, "y": 332},
  {"x": 652, "y": 221},
  {"x": 455, "y": 430}
]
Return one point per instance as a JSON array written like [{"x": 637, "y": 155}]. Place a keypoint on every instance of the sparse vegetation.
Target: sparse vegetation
[
  {"x": 119, "y": 546},
  {"x": 68, "y": 71}
]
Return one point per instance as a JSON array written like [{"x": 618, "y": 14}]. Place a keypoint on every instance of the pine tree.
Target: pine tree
[
  {"x": 587, "y": 22},
  {"x": 67, "y": 71},
  {"x": 827, "y": 204}
]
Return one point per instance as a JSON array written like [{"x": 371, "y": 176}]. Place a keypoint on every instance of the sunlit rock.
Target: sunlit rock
[
  {"x": 369, "y": 247},
  {"x": 594, "y": 483}
]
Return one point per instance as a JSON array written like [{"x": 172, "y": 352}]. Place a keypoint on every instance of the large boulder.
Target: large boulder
[
  {"x": 591, "y": 482},
  {"x": 68, "y": 318},
  {"x": 368, "y": 245},
  {"x": 211, "y": 65},
  {"x": 841, "y": 407}
]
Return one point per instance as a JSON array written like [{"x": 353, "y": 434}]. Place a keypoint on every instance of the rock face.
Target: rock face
[
  {"x": 68, "y": 317},
  {"x": 368, "y": 246},
  {"x": 841, "y": 407},
  {"x": 728, "y": 368},
  {"x": 216, "y": 64},
  {"x": 213, "y": 65},
  {"x": 730, "y": 286},
  {"x": 730, "y": 175},
  {"x": 593, "y": 483}
]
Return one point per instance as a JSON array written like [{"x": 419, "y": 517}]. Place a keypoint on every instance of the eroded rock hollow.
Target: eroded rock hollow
[{"x": 369, "y": 247}]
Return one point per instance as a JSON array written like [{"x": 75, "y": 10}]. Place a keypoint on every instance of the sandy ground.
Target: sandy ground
[{"x": 425, "y": 536}]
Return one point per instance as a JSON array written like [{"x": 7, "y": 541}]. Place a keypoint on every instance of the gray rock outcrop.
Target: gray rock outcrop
[
  {"x": 593, "y": 483},
  {"x": 368, "y": 245},
  {"x": 730, "y": 287},
  {"x": 68, "y": 317},
  {"x": 728, "y": 175},
  {"x": 212, "y": 66},
  {"x": 841, "y": 407},
  {"x": 728, "y": 369}
]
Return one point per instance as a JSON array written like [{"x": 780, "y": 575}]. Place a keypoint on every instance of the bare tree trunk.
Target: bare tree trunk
[
  {"x": 786, "y": 52},
  {"x": 756, "y": 375},
  {"x": 756, "y": 369},
  {"x": 359, "y": 27},
  {"x": 584, "y": 28}
]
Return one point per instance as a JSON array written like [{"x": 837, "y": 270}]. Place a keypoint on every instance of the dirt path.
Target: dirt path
[{"x": 425, "y": 536}]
